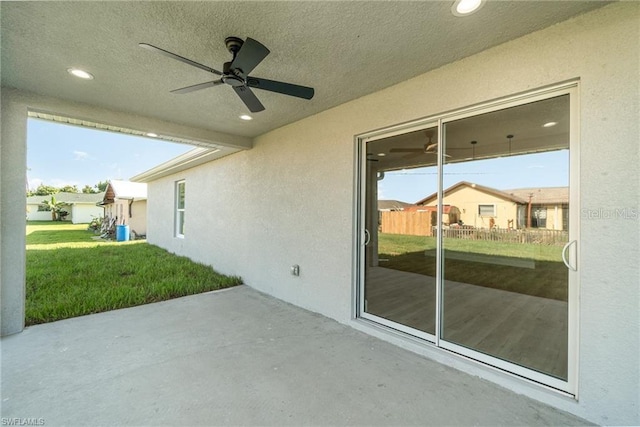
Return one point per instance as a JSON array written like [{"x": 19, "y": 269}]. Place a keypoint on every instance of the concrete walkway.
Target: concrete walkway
[{"x": 238, "y": 357}]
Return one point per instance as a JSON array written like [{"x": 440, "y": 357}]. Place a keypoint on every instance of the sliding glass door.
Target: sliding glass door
[
  {"x": 400, "y": 284},
  {"x": 468, "y": 238}
]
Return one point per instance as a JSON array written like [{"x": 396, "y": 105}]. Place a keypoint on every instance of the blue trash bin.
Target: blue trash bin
[{"x": 122, "y": 233}]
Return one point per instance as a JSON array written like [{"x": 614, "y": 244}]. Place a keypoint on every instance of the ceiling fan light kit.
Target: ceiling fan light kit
[{"x": 235, "y": 73}]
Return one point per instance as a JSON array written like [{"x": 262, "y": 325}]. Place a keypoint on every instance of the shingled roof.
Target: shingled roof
[
  {"x": 498, "y": 193},
  {"x": 543, "y": 195},
  {"x": 392, "y": 205}
]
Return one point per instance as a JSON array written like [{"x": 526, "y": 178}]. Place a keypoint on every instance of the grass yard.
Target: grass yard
[
  {"x": 548, "y": 279},
  {"x": 70, "y": 274}
]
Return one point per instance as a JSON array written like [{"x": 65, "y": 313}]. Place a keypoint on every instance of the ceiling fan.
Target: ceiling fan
[
  {"x": 428, "y": 148},
  {"x": 235, "y": 73}
]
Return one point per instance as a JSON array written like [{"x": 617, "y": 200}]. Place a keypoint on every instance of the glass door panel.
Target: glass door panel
[
  {"x": 400, "y": 254},
  {"x": 504, "y": 225}
]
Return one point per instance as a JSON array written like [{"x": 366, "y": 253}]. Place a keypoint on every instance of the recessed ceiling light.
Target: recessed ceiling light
[
  {"x": 80, "y": 73},
  {"x": 381, "y": 154},
  {"x": 549, "y": 124},
  {"x": 466, "y": 7},
  {"x": 246, "y": 117},
  {"x": 151, "y": 134}
]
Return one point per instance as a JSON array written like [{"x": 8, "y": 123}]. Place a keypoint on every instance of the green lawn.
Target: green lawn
[
  {"x": 70, "y": 274},
  {"x": 414, "y": 254}
]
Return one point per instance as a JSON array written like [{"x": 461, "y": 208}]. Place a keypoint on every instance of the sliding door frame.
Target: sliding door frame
[{"x": 571, "y": 88}]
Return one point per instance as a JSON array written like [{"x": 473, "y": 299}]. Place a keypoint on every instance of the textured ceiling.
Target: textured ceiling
[{"x": 344, "y": 50}]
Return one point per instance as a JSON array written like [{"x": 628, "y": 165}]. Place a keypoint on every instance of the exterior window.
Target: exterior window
[
  {"x": 180, "y": 208},
  {"x": 539, "y": 217},
  {"x": 487, "y": 210}
]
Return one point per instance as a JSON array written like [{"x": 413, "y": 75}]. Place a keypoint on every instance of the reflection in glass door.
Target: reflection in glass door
[
  {"x": 467, "y": 235},
  {"x": 400, "y": 256},
  {"x": 505, "y": 288}
]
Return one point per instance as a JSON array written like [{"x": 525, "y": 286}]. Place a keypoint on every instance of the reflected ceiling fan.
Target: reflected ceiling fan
[
  {"x": 247, "y": 55},
  {"x": 428, "y": 148}
]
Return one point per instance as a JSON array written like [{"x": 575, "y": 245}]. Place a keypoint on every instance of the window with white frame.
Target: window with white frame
[
  {"x": 180, "y": 187},
  {"x": 487, "y": 210}
]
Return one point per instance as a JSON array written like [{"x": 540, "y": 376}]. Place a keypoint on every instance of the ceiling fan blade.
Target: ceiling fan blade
[
  {"x": 407, "y": 150},
  {"x": 197, "y": 87},
  {"x": 249, "y": 98},
  {"x": 178, "y": 57},
  {"x": 281, "y": 87},
  {"x": 249, "y": 56}
]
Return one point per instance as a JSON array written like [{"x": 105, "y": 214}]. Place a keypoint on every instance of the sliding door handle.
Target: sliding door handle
[
  {"x": 367, "y": 236},
  {"x": 565, "y": 257}
]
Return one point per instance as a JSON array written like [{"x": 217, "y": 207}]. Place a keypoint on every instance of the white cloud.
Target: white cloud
[
  {"x": 34, "y": 183},
  {"x": 80, "y": 155}
]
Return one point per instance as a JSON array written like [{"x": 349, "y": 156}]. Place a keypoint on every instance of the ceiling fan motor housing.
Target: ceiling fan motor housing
[{"x": 232, "y": 77}]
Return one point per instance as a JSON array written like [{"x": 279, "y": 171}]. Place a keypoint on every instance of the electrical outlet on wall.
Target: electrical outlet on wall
[{"x": 295, "y": 270}]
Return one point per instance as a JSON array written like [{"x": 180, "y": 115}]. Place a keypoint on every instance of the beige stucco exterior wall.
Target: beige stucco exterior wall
[
  {"x": 554, "y": 217},
  {"x": 290, "y": 200},
  {"x": 120, "y": 209},
  {"x": 33, "y": 214},
  {"x": 83, "y": 213},
  {"x": 138, "y": 220}
]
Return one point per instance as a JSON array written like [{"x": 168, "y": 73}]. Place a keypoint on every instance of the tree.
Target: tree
[
  {"x": 45, "y": 190},
  {"x": 87, "y": 189},
  {"x": 69, "y": 189},
  {"x": 102, "y": 186},
  {"x": 56, "y": 208}
]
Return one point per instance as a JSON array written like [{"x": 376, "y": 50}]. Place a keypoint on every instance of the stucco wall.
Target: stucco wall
[
  {"x": 84, "y": 213},
  {"x": 13, "y": 180},
  {"x": 33, "y": 214},
  {"x": 138, "y": 220},
  {"x": 290, "y": 199}
]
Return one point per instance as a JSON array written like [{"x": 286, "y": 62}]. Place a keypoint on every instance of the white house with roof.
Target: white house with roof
[
  {"x": 125, "y": 203},
  {"x": 81, "y": 207}
]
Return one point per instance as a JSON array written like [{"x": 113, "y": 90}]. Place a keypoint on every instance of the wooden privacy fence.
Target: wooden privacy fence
[
  {"x": 419, "y": 223},
  {"x": 415, "y": 223},
  {"x": 530, "y": 235}
]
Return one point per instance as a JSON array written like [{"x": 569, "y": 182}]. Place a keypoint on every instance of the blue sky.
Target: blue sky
[
  {"x": 550, "y": 169},
  {"x": 59, "y": 154}
]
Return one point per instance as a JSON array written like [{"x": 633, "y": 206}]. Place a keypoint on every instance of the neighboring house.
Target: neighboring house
[
  {"x": 392, "y": 205},
  {"x": 549, "y": 207},
  {"x": 125, "y": 203},
  {"x": 294, "y": 192},
  {"x": 81, "y": 207},
  {"x": 485, "y": 207}
]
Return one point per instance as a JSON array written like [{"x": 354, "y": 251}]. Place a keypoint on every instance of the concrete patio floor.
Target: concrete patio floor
[{"x": 238, "y": 357}]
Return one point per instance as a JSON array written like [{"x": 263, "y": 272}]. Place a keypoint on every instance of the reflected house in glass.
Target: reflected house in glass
[{"x": 480, "y": 206}]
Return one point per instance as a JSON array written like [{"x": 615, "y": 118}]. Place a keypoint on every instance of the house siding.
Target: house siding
[
  {"x": 290, "y": 200},
  {"x": 468, "y": 199},
  {"x": 138, "y": 220},
  {"x": 33, "y": 214},
  {"x": 81, "y": 214}
]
